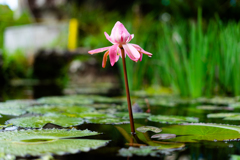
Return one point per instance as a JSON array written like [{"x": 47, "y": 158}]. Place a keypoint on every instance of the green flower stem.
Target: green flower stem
[{"x": 127, "y": 92}]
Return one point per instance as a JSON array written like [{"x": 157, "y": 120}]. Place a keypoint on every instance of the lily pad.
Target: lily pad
[
  {"x": 41, "y": 142},
  {"x": 222, "y": 115},
  {"x": 14, "y": 105},
  {"x": 5, "y": 126},
  {"x": 12, "y": 111},
  {"x": 66, "y": 100},
  {"x": 40, "y": 121},
  {"x": 59, "y": 109},
  {"x": 203, "y": 132},
  {"x": 235, "y": 105},
  {"x": 108, "y": 121},
  {"x": 135, "y": 115},
  {"x": 212, "y": 107},
  {"x": 144, "y": 129},
  {"x": 154, "y": 151},
  {"x": 235, "y": 157},
  {"x": 172, "y": 119},
  {"x": 233, "y": 118},
  {"x": 162, "y": 102},
  {"x": 218, "y": 100},
  {"x": 142, "y": 151},
  {"x": 87, "y": 115}
]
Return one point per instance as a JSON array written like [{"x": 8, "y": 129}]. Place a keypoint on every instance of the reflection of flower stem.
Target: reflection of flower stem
[{"x": 127, "y": 92}]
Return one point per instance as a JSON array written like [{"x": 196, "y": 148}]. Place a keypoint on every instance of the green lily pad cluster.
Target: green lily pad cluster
[
  {"x": 172, "y": 119},
  {"x": 72, "y": 111},
  {"x": 225, "y": 116},
  {"x": 41, "y": 121},
  {"x": 203, "y": 132},
  {"x": 50, "y": 141}
]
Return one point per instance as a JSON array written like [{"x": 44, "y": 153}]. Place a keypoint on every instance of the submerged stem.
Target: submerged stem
[{"x": 127, "y": 92}]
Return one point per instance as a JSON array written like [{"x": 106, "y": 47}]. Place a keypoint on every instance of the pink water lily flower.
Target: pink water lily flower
[{"x": 119, "y": 38}]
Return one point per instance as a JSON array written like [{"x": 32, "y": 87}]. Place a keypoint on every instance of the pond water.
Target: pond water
[{"x": 201, "y": 136}]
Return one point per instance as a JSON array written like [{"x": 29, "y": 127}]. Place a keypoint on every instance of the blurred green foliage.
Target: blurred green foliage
[
  {"x": 7, "y": 19},
  {"x": 14, "y": 65},
  {"x": 197, "y": 56}
]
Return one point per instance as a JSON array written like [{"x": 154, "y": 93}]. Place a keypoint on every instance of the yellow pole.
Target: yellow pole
[{"x": 72, "y": 34}]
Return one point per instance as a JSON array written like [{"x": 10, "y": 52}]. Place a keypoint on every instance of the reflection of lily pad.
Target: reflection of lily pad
[
  {"x": 135, "y": 115},
  {"x": 144, "y": 129},
  {"x": 108, "y": 121},
  {"x": 41, "y": 142},
  {"x": 201, "y": 131},
  {"x": 222, "y": 115},
  {"x": 60, "y": 109},
  {"x": 12, "y": 111},
  {"x": 172, "y": 119},
  {"x": 164, "y": 136},
  {"x": 40, "y": 121}
]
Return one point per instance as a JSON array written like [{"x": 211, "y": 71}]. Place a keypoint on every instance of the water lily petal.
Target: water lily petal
[
  {"x": 105, "y": 59},
  {"x": 130, "y": 38},
  {"x": 109, "y": 38},
  {"x": 119, "y": 33},
  {"x": 141, "y": 55},
  {"x": 141, "y": 50},
  {"x": 98, "y": 50},
  {"x": 113, "y": 53},
  {"x": 132, "y": 52}
]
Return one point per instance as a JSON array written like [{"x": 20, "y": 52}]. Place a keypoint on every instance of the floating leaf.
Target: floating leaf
[
  {"x": 12, "y": 111},
  {"x": 235, "y": 157},
  {"x": 108, "y": 121},
  {"x": 41, "y": 142},
  {"x": 222, "y": 115},
  {"x": 211, "y": 107},
  {"x": 4, "y": 156},
  {"x": 162, "y": 102},
  {"x": 5, "y": 126},
  {"x": 65, "y": 100},
  {"x": 142, "y": 151},
  {"x": 164, "y": 136},
  {"x": 158, "y": 148},
  {"x": 87, "y": 115},
  {"x": 235, "y": 105},
  {"x": 233, "y": 118},
  {"x": 225, "y": 116},
  {"x": 60, "y": 109},
  {"x": 218, "y": 100},
  {"x": 144, "y": 129},
  {"x": 40, "y": 121},
  {"x": 135, "y": 115},
  {"x": 172, "y": 119},
  {"x": 200, "y": 131},
  {"x": 14, "y": 105}
]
